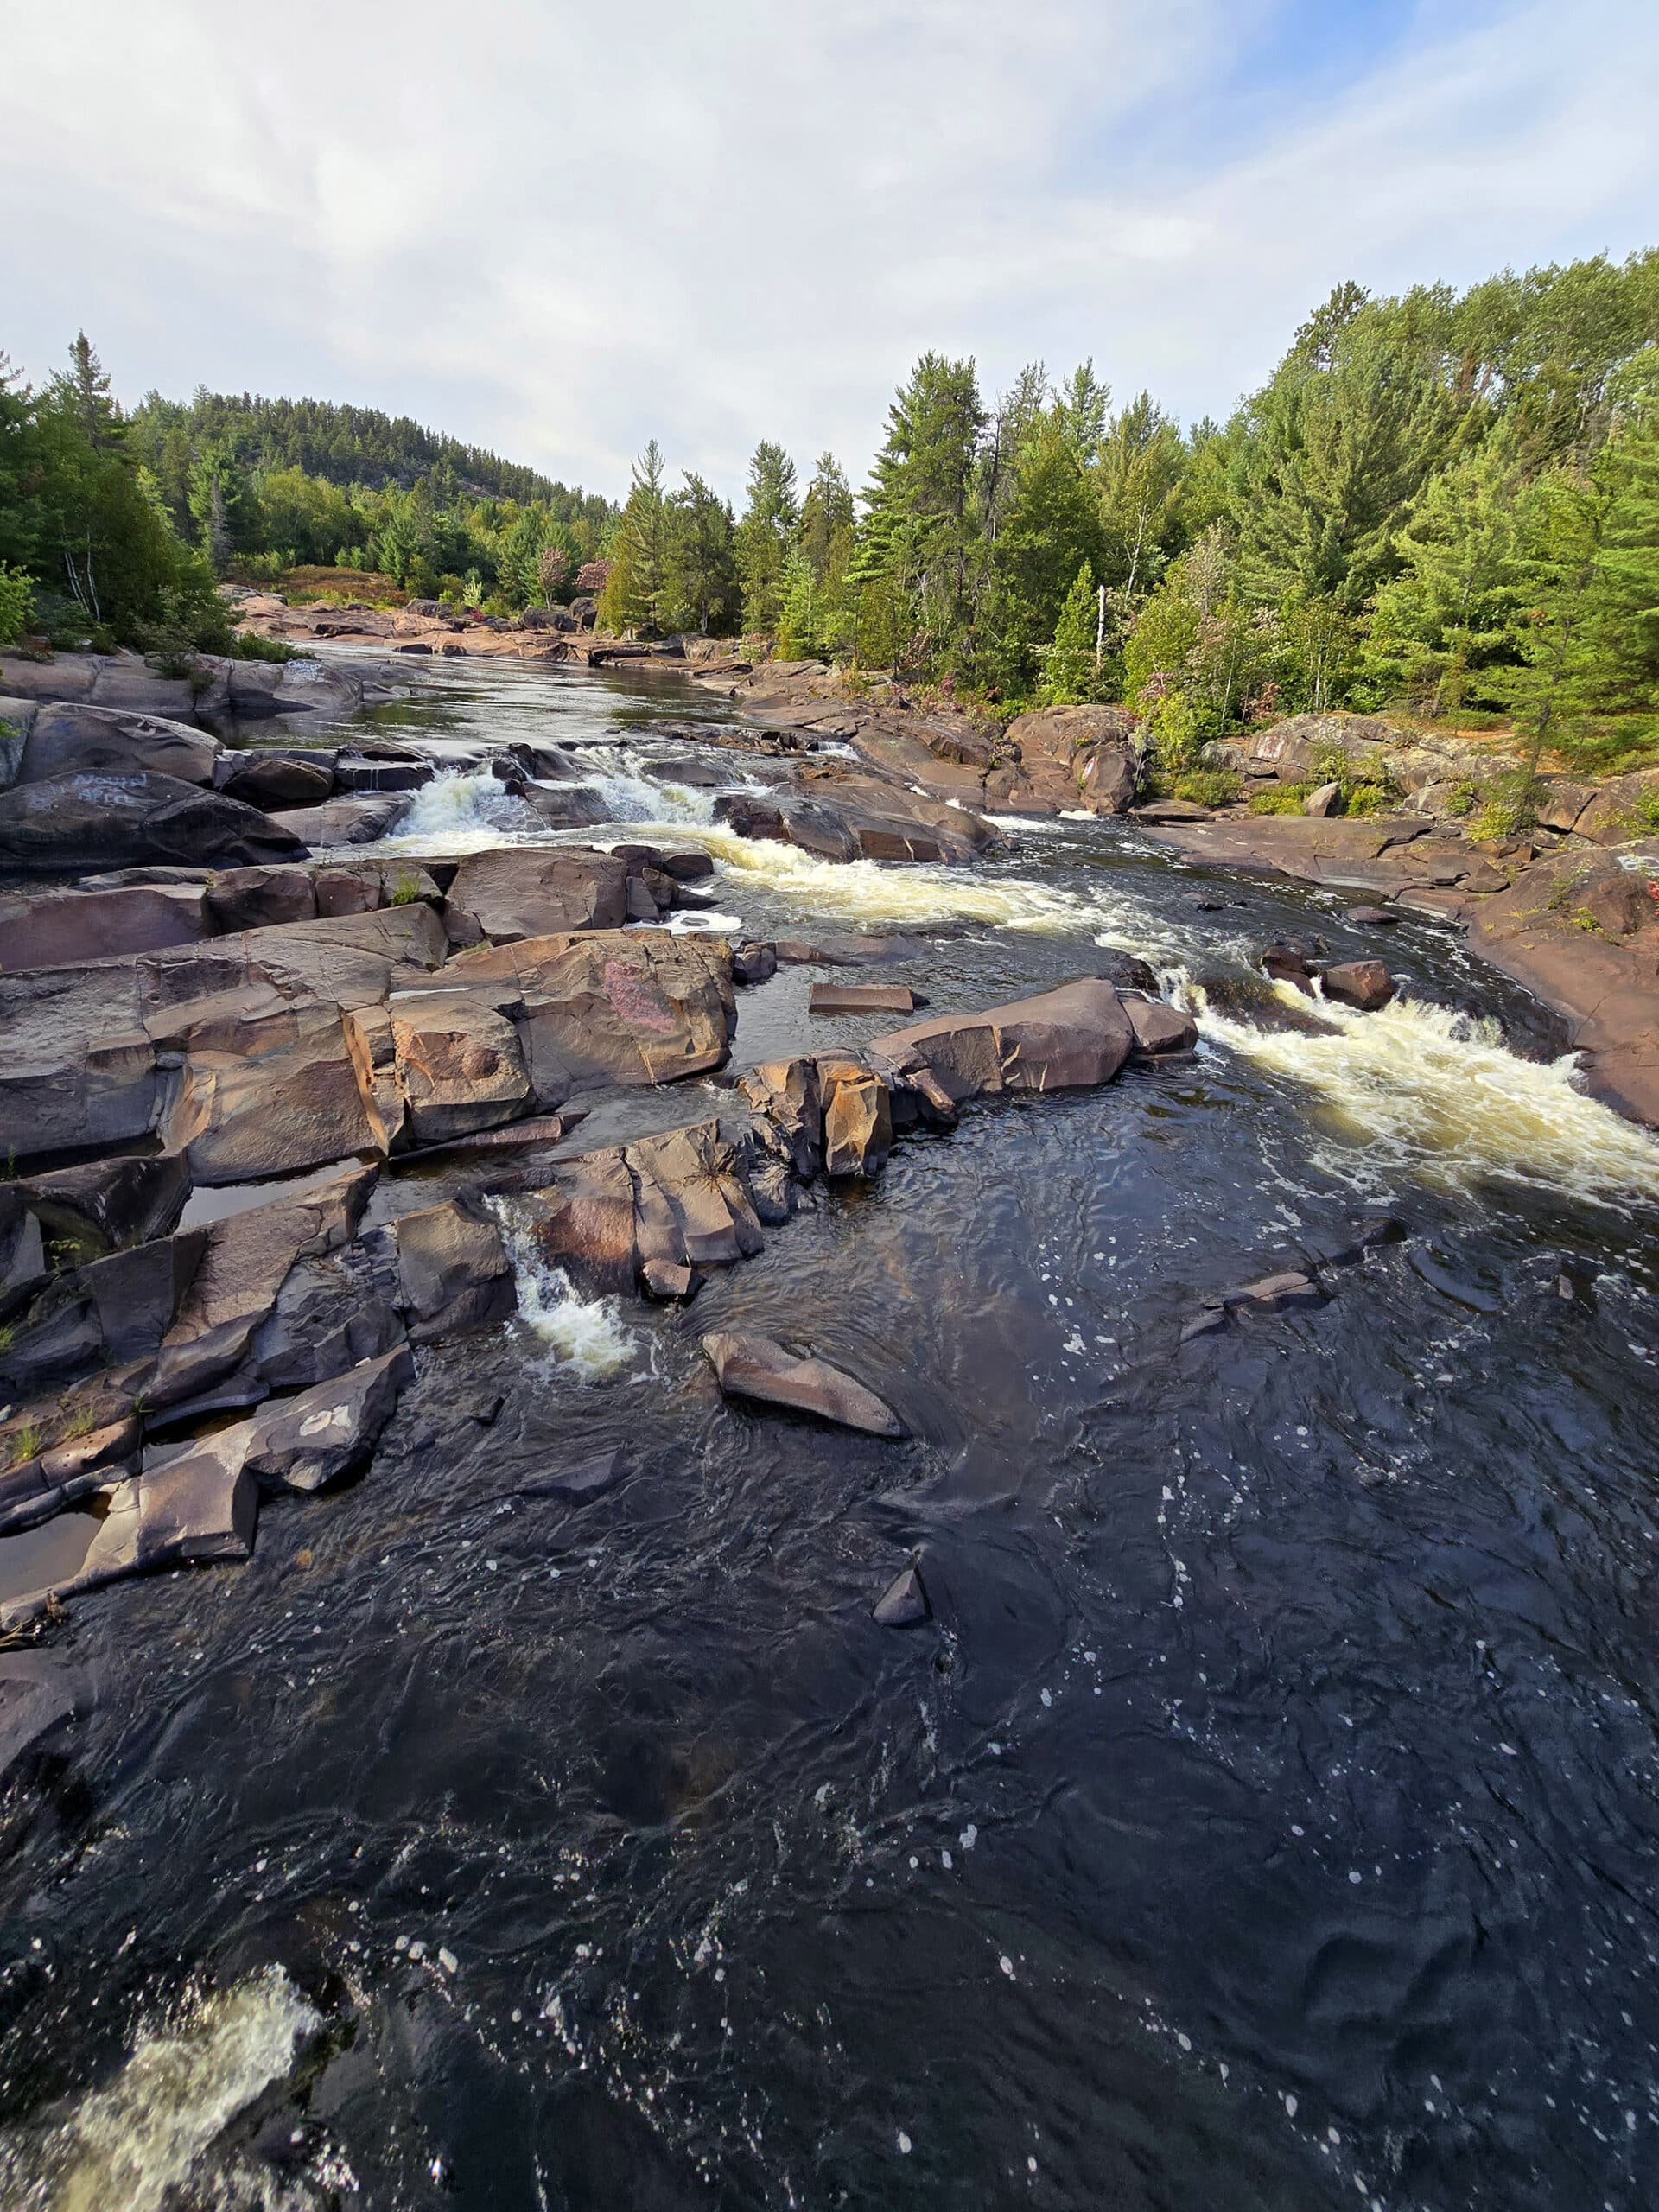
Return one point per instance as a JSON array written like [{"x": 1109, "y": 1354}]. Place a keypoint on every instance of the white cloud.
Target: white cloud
[{"x": 559, "y": 229}]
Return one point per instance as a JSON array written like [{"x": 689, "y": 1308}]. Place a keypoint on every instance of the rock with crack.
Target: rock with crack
[
  {"x": 1078, "y": 1035},
  {"x": 755, "y": 1367},
  {"x": 305, "y": 1442},
  {"x": 1159, "y": 1028},
  {"x": 608, "y": 1006},
  {"x": 528, "y": 891},
  {"x": 453, "y": 1268},
  {"x": 857, "y": 1117},
  {"x": 68, "y": 737},
  {"x": 787, "y": 1093}
]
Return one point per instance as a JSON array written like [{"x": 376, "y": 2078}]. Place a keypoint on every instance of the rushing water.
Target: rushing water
[{"x": 1265, "y": 1819}]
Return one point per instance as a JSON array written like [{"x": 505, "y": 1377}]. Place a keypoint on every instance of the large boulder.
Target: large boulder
[
  {"x": 1065, "y": 757},
  {"x": 69, "y": 738},
  {"x": 1626, "y": 808},
  {"x": 857, "y": 1117},
  {"x": 272, "y": 781},
  {"x": 458, "y": 1064},
  {"x": 749, "y": 1366},
  {"x": 303, "y": 1442},
  {"x": 358, "y": 818},
  {"x": 100, "y": 821},
  {"x": 454, "y": 1269},
  {"x": 283, "y": 1096},
  {"x": 607, "y": 1006},
  {"x": 841, "y": 814},
  {"x": 1291, "y": 749},
  {"x": 51, "y": 929},
  {"x": 1062, "y": 1039},
  {"x": 526, "y": 892}
]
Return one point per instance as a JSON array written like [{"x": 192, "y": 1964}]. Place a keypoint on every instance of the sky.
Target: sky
[{"x": 558, "y": 230}]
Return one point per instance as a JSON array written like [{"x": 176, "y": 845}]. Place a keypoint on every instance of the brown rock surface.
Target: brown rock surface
[
  {"x": 1078, "y": 1035},
  {"x": 754, "y": 1367}
]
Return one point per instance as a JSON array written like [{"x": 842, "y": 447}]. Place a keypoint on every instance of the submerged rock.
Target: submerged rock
[
  {"x": 754, "y": 1367},
  {"x": 903, "y": 1604}
]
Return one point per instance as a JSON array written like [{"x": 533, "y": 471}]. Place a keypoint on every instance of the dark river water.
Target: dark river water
[{"x": 1265, "y": 1818}]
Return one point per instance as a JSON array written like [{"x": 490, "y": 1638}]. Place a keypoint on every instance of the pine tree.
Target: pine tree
[
  {"x": 1332, "y": 451},
  {"x": 634, "y": 598},
  {"x": 1051, "y": 529},
  {"x": 765, "y": 534},
  {"x": 1080, "y": 411},
  {"x": 921, "y": 535},
  {"x": 85, "y": 392},
  {"x": 1069, "y": 673},
  {"x": 703, "y": 590},
  {"x": 1452, "y": 614}
]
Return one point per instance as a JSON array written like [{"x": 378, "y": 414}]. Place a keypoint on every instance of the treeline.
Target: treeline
[
  {"x": 117, "y": 527},
  {"x": 88, "y": 552},
  {"x": 1443, "y": 503},
  {"x": 264, "y": 486}
]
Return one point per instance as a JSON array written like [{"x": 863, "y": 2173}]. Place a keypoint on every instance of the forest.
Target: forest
[{"x": 1442, "y": 504}]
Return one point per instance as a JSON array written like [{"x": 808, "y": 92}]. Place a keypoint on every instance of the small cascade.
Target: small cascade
[
  {"x": 463, "y": 809},
  {"x": 1426, "y": 1091},
  {"x": 631, "y": 795},
  {"x": 587, "y": 1336},
  {"x": 135, "y": 2142}
]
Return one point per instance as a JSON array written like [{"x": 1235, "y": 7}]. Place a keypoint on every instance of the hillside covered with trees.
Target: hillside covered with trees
[{"x": 1444, "y": 503}]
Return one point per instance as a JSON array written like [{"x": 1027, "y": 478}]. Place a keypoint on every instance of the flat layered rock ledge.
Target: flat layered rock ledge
[{"x": 161, "y": 1374}]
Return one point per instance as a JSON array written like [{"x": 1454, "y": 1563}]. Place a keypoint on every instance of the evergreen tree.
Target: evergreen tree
[
  {"x": 765, "y": 534},
  {"x": 1452, "y": 612},
  {"x": 1071, "y": 673},
  {"x": 1080, "y": 409},
  {"x": 921, "y": 534},
  {"x": 1332, "y": 452},
  {"x": 1051, "y": 530},
  {"x": 635, "y": 594},
  {"x": 21, "y": 514},
  {"x": 703, "y": 590}
]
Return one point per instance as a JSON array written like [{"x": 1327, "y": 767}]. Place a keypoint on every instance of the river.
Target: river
[{"x": 1267, "y": 1817}]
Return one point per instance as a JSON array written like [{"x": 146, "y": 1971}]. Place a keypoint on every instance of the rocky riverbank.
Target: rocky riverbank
[{"x": 280, "y": 1110}]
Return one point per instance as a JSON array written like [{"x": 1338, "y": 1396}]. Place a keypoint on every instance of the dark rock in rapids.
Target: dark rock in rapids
[
  {"x": 1458, "y": 1288},
  {"x": 1078, "y": 1035},
  {"x": 753, "y": 962},
  {"x": 1366, "y": 984},
  {"x": 36, "y": 1698},
  {"x": 754, "y": 1367},
  {"x": 454, "y": 1269},
  {"x": 1159, "y": 1028},
  {"x": 1375, "y": 917},
  {"x": 274, "y": 780},
  {"x": 903, "y": 1604},
  {"x": 1129, "y": 973},
  {"x": 588, "y": 1479},
  {"x": 862, "y": 998},
  {"x": 1276, "y": 1293}
]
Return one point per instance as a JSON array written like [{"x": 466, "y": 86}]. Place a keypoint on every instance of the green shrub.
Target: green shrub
[
  {"x": 1280, "y": 799},
  {"x": 404, "y": 892},
  {"x": 1459, "y": 797},
  {"x": 1508, "y": 806},
  {"x": 247, "y": 646},
  {"x": 1208, "y": 786},
  {"x": 16, "y": 597},
  {"x": 1643, "y": 817}
]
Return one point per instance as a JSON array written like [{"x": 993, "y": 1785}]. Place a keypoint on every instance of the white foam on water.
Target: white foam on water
[
  {"x": 1425, "y": 1090},
  {"x": 127, "y": 2146},
  {"x": 702, "y": 922},
  {"x": 461, "y": 810},
  {"x": 897, "y": 893},
  {"x": 629, "y": 794},
  {"x": 587, "y": 1336}
]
